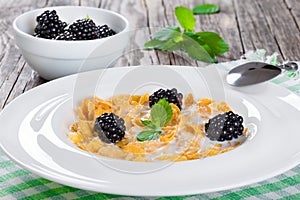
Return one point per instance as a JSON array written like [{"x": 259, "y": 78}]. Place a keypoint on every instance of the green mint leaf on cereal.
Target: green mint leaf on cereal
[
  {"x": 185, "y": 18},
  {"x": 165, "y": 104},
  {"x": 148, "y": 135},
  {"x": 206, "y": 9},
  {"x": 149, "y": 124},
  {"x": 146, "y": 122},
  {"x": 160, "y": 114}
]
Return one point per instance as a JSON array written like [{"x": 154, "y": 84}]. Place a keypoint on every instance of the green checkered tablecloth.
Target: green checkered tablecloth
[{"x": 17, "y": 183}]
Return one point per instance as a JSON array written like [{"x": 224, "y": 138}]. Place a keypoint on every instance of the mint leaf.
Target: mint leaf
[
  {"x": 148, "y": 135},
  {"x": 189, "y": 42},
  {"x": 169, "y": 45},
  {"x": 165, "y": 104},
  {"x": 195, "y": 37},
  {"x": 161, "y": 113},
  {"x": 167, "y": 39},
  {"x": 158, "y": 115},
  {"x": 146, "y": 122},
  {"x": 186, "y": 18},
  {"x": 210, "y": 41},
  {"x": 214, "y": 41},
  {"x": 167, "y": 33},
  {"x": 149, "y": 124},
  {"x": 196, "y": 50},
  {"x": 206, "y": 9}
]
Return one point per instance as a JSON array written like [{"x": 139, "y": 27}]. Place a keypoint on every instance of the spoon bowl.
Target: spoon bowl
[{"x": 256, "y": 72}]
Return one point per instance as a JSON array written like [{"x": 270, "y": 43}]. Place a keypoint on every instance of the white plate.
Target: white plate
[{"x": 34, "y": 127}]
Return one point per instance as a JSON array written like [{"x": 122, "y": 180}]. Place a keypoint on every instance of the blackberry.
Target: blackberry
[
  {"x": 49, "y": 25},
  {"x": 66, "y": 36},
  {"x": 172, "y": 96},
  {"x": 224, "y": 126},
  {"x": 110, "y": 127},
  {"x": 84, "y": 29},
  {"x": 105, "y": 31}
]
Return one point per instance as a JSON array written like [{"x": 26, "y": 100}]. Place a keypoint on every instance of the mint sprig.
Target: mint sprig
[
  {"x": 202, "y": 46},
  {"x": 160, "y": 115}
]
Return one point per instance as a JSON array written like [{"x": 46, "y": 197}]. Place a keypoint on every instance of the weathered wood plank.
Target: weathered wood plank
[
  {"x": 134, "y": 11},
  {"x": 157, "y": 19},
  {"x": 7, "y": 4},
  {"x": 21, "y": 77},
  {"x": 62, "y": 3},
  {"x": 283, "y": 27},
  {"x": 294, "y": 8},
  {"x": 254, "y": 27},
  {"x": 11, "y": 76},
  {"x": 8, "y": 66},
  {"x": 95, "y": 3},
  {"x": 263, "y": 26}
]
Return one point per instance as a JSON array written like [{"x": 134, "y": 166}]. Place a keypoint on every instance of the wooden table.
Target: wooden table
[{"x": 273, "y": 25}]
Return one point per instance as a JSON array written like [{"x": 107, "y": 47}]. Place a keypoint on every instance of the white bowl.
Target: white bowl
[{"x": 56, "y": 58}]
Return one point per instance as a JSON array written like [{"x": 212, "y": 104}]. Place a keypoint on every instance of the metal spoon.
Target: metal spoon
[{"x": 256, "y": 72}]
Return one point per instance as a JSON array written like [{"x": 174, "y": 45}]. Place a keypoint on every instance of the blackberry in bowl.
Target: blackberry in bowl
[
  {"x": 49, "y": 25},
  {"x": 105, "y": 31},
  {"x": 86, "y": 29},
  {"x": 171, "y": 95},
  {"x": 62, "y": 53},
  {"x": 110, "y": 127},
  {"x": 225, "y": 126}
]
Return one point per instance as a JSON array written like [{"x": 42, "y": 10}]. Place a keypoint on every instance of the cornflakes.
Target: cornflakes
[{"x": 181, "y": 139}]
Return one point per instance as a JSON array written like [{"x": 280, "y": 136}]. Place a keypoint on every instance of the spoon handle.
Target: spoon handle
[{"x": 290, "y": 66}]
